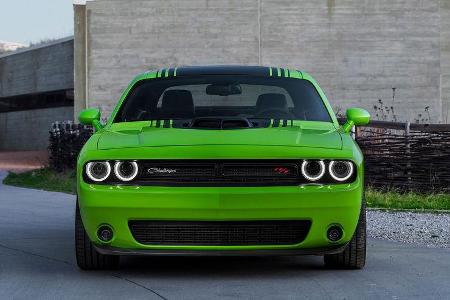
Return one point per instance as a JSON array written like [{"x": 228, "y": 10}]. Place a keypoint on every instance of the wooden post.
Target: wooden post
[{"x": 408, "y": 153}]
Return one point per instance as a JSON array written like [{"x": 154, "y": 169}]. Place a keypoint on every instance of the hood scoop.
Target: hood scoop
[{"x": 220, "y": 123}]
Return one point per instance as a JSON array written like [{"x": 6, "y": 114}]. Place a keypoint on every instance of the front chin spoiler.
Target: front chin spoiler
[{"x": 107, "y": 250}]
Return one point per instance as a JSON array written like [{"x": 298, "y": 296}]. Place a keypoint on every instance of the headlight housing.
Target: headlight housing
[
  {"x": 328, "y": 171},
  {"x": 111, "y": 172}
]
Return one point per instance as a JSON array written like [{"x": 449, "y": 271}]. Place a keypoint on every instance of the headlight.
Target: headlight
[
  {"x": 98, "y": 170},
  {"x": 340, "y": 170},
  {"x": 313, "y": 170},
  {"x": 126, "y": 170}
]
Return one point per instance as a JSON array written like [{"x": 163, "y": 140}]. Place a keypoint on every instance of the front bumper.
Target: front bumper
[
  {"x": 108, "y": 250},
  {"x": 322, "y": 205}
]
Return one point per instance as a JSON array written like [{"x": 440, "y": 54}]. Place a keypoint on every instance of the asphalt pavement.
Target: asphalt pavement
[{"x": 37, "y": 261}]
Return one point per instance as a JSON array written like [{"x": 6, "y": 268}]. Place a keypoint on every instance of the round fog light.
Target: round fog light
[
  {"x": 105, "y": 233},
  {"x": 334, "y": 233}
]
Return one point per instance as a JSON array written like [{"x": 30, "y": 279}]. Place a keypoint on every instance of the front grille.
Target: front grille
[
  {"x": 237, "y": 172},
  {"x": 281, "y": 170},
  {"x": 218, "y": 233}
]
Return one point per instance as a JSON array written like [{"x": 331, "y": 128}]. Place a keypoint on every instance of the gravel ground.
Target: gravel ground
[{"x": 427, "y": 229}]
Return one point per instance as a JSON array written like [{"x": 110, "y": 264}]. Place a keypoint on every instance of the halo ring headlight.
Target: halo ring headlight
[
  {"x": 345, "y": 174},
  {"x": 133, "y": 170},
  {"x": 98, "y": 170},
  {"x": 313, "y": 177}
]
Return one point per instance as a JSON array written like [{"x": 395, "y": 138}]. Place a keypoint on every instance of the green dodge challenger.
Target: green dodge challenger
[{"x": 221, "y": 160}]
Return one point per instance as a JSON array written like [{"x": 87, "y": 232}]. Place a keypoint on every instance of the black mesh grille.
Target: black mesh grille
[
  {"x": 220, "y": 233},
  {"x": 263, "y": 170},
  {"x": 178, "y": 171},
  {"x": 220, "y": 172}
]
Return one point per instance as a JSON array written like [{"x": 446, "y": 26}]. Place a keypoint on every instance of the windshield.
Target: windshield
[{"x": 223, "y": 97}]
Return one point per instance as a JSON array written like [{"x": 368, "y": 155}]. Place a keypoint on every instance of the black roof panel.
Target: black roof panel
[{"x": 223, "y": 70}]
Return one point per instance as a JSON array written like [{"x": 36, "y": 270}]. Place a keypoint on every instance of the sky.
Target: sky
[{"x": 32, "y": 21}]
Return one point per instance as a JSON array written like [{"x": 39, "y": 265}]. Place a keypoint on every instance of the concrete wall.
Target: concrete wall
[
  {"x": 445, "y": 59},
  {"x": 28, "y": 130},
  {"x": 358, "y": 50},
  {"x": 128, "y": 37},
  {"x": 44, "y": 68},
  {"x": 47, "y": 68},
  {"x": 80, "y": 57}
]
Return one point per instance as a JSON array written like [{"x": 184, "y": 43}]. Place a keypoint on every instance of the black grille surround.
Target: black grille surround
[
  {"x": 225, "y": 173},
  {"x": 220, "y": 233},
  {"x": 217, "y": 173}
]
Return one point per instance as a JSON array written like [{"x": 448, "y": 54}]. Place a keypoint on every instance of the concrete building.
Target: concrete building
[
  {"x": 358, "y": 50},
  {"x": 36, "y": 89}
]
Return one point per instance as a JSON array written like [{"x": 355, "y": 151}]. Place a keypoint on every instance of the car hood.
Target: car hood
[{"x": 308, "y": 134}]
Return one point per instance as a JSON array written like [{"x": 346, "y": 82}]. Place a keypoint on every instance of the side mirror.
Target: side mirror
[
  {"x": 90, "y": 116},
  {"x": 356, "y": 117}
]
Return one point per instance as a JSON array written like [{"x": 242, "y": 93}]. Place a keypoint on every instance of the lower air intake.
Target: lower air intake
[{"x": 219, "y": 233}]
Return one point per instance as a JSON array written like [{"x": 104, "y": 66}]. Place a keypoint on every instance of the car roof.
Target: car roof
[{"x": 225, "y": 70}]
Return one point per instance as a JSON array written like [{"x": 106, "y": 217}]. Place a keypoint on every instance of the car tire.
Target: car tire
[
  {"x": 354, "y": 255},
  {"x": 87, "y": 257}
]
